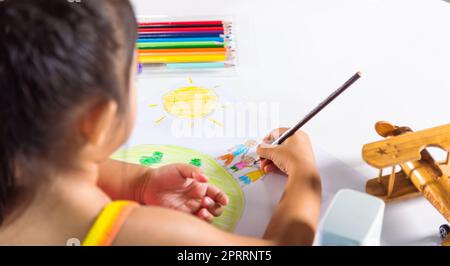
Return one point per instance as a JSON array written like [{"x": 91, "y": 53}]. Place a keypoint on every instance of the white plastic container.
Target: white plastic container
[{"x": 352, "y": 219}]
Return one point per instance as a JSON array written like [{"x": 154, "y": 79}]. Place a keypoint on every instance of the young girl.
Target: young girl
[{"x": 67, "y": 102}]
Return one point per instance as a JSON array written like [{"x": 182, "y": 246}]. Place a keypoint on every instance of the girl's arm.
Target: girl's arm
[
  {"x": 293, "y": 222},
  {"x": 177, "y": 186},
  {"x": 296, "y": 218},
  {"x": 121, "y": 180}
]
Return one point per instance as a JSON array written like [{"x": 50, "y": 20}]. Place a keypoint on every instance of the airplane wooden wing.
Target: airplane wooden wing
[
  {"x": 406, "y": 147},
  {"x": 445, "y": 166}
]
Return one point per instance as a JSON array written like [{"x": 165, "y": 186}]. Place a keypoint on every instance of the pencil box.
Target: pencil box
[{"x": 169, "y": 45}]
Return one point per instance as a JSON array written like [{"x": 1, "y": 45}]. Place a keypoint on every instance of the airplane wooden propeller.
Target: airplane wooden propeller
[{"x": 420, "y": 174}]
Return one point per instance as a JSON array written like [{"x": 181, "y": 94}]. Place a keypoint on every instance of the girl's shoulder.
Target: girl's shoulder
[{"x": 52, "y": 217}]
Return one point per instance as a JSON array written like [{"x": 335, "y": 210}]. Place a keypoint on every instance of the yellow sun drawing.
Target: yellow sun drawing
[{"x": 190, "y": 102}]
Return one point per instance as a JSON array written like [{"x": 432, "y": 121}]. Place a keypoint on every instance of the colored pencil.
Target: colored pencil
[
  {"x": 181, "y": 34},
  {"x": 181, "y": 26},
  {"x": 186, "y": 66},
  {"x": 315, "y": 111},
  {"x": 189, "y": 66},
  {"x": 182, "y": 58},
  {"x": 190, "y": 50},
  {"x": 174, "y": 45},
  {"x": 197, "y": 29},
  {"x": 202, "y": 39},
  {"x": 182, "y": 23},
  {"x": 149, "y": 53},
  {"x": 228, "y": 27},
  {"x": 193, "y": 32},
  {"x": 178, "y": 34},
  {"x": 198, "y": 65}
]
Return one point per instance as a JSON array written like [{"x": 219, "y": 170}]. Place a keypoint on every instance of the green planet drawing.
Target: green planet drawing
[{"x": 159, "y": 155}]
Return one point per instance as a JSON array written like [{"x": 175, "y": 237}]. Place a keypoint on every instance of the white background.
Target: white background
[{"x": 296, "y": 52}]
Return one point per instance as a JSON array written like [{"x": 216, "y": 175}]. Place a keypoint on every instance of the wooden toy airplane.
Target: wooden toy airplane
[{"x": 420, "y": 174}]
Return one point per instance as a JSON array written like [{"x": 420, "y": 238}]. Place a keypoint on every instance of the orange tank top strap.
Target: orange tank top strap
[{"x": 109, "y": 222}]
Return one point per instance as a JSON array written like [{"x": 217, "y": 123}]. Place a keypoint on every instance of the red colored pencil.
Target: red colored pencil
[
  {"x": 197, "y": 29},
  {"x": 181, "y": 23}
]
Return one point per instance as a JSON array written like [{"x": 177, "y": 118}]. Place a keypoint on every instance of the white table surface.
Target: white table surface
[{"x": 401, "y": 46}]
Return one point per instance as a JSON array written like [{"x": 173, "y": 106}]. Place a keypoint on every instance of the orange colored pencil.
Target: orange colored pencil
[{"x": 150, "y": 53}]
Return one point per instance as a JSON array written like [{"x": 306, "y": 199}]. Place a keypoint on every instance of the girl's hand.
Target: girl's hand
[
  {"x": 182, "y": 187},
  {"x": 294, "y": 155}
]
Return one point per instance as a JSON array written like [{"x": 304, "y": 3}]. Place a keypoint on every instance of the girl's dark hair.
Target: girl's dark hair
[{"x": 54, "y": 56}]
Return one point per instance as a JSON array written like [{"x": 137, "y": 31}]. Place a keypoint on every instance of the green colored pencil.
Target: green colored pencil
[{"x": 175, "y": 45}]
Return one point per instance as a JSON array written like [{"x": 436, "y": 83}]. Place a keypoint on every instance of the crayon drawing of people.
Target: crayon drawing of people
[
  {"x": 251, "y": 177},
  {"x": 247, "y": 161},
  {"x": 239, "y": 150}
]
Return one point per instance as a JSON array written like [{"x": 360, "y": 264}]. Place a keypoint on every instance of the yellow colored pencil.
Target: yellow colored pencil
[{"x": 182, "y": 58}]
